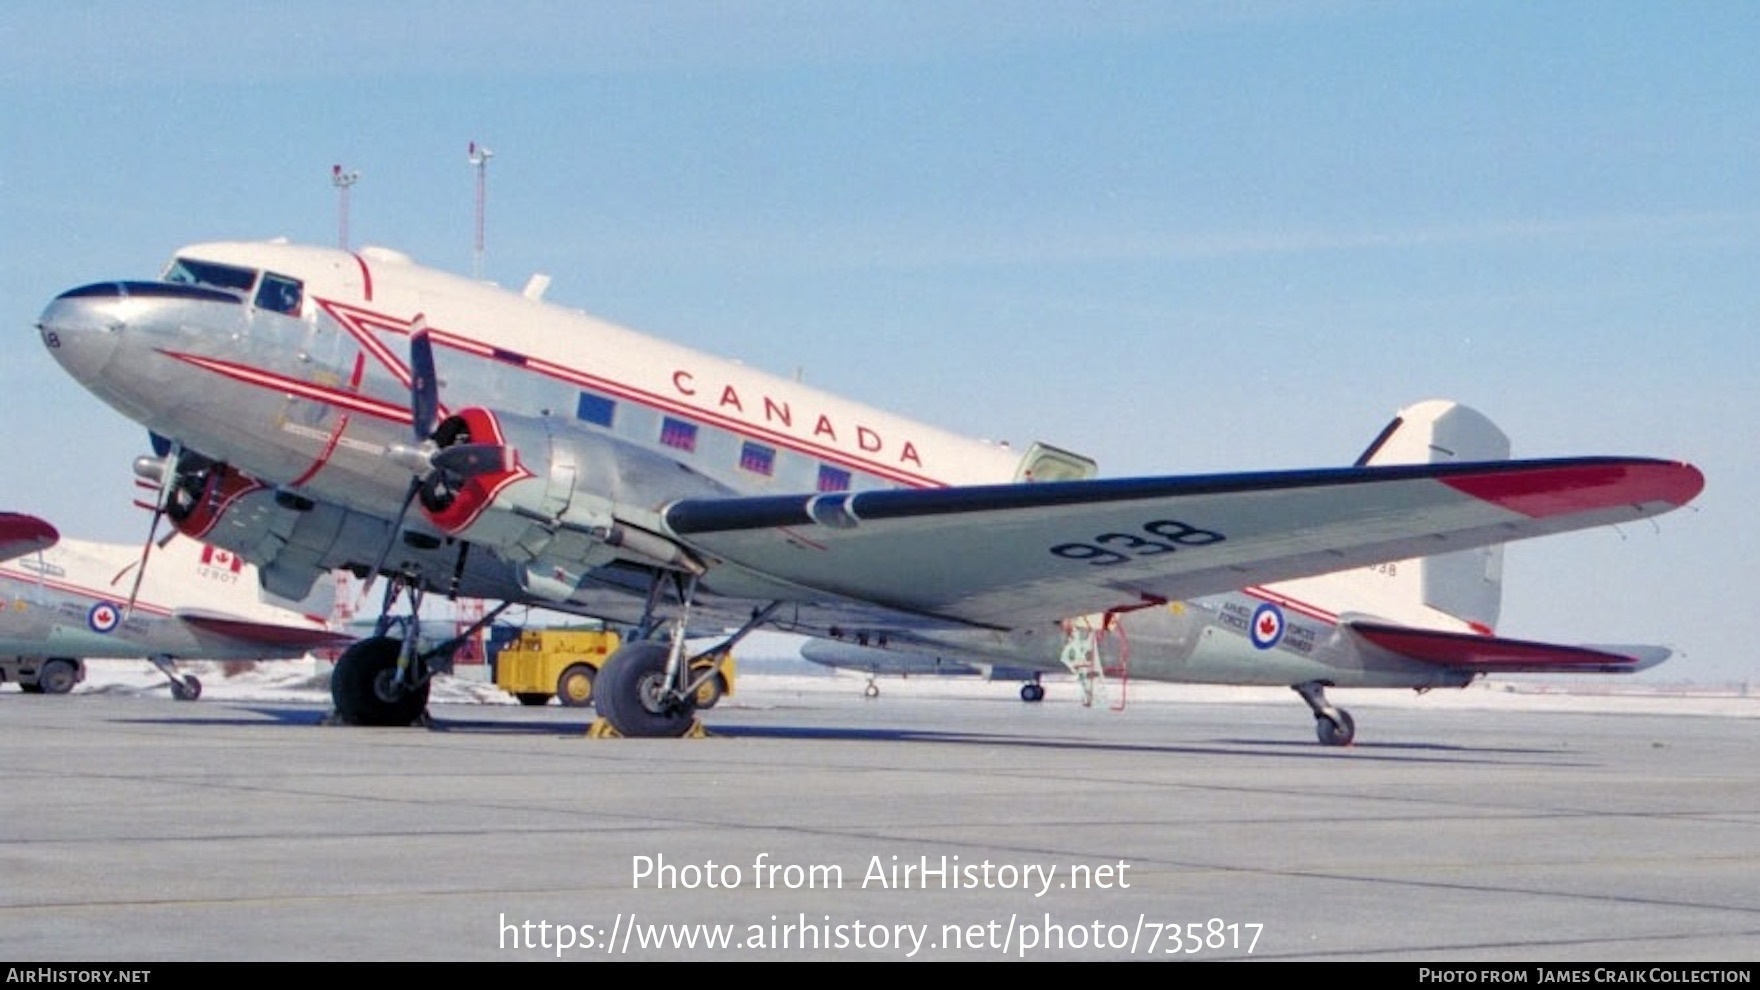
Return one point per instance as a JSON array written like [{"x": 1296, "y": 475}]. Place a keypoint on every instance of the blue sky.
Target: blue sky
[{"x": 1178, "y": 237}]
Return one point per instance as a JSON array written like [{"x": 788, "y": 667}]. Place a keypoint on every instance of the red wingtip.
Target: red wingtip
[
  {"x": 21, "y": 534},
  {"x": 1583, "y": 487}
]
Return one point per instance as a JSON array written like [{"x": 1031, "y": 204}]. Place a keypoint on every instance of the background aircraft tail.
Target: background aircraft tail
[{"x": 1459, "y": 591}]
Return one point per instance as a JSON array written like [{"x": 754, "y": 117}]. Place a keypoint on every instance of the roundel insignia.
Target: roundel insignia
[
  {"x": 104, "y": 617},
  {"x": 1267, "y": 628}
]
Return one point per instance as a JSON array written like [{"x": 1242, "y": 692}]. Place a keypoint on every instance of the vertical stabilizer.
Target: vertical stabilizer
[{"x": 1461, "y": 590}]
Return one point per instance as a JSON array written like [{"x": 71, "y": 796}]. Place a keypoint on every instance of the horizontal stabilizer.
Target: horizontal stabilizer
[
  {"x": 1495, "y": 655},
  {"x": 271, "y": 636},
  {"x": 21, "y": 534}
]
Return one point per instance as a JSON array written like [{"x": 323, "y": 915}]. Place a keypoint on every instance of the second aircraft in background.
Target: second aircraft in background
[{"x": 66, "y": 601}]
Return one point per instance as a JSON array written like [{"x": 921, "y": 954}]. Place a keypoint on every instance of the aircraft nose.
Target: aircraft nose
[
  {"x": 82, "y": 327},
  {"x": 104, "y": 333}
]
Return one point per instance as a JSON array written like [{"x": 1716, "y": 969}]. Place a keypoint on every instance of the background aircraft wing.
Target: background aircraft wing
[
  {"x": 21, "y": 534},
  {"x": 269, "y": 635},
  {"x": 1013, "y": 555},
  {"x": 1494, "y": 655}
]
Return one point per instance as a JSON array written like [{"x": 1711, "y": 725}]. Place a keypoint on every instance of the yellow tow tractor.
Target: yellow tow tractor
[{"x": 564, "y": 661}]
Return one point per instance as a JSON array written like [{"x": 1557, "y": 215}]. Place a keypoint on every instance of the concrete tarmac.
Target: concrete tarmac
[{"x": 820, "y": 825}]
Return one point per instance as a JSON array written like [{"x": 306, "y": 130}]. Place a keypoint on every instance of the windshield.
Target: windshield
[
  {"x": 188, "y": 271},
  {"x": 276, "y": 293}
]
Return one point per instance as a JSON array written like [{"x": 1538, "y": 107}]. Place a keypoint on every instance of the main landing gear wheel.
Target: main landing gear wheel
[
  {"x": 1339, "y": 733},
  {"x": 632, "y": 694},
  {"x": 1031, "y": 693},
  {"x": 57, "y": 676},
  {"x": 362, "y": 686},
  {"x": 186, "y": 689},
  {"x": 574, "y": 687}
]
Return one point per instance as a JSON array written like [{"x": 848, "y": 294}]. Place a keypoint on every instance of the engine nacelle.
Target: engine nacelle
[
  {"x": 291, "y": 541},
  {"x": 554, "y": 497}
]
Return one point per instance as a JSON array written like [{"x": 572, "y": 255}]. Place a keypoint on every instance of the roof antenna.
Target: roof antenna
[
  {"x": 479, "y": 159},
  {"x": 343, "y": 181}
]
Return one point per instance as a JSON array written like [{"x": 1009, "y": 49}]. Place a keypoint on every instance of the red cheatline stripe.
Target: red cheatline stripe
[
  {"x": 281, "y": 383},
  {"x": 360, "y": 323},
  {"x": 80, "y": 590}
]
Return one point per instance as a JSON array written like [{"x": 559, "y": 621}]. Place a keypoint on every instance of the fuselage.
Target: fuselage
[{"x": 292, "y": 365}]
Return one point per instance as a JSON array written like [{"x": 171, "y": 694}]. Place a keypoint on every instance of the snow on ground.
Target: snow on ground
[{"x": 308, "y": 681}]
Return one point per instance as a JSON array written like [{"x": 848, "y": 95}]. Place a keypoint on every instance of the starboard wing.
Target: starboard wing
[{"x": 1011, "y": 555}]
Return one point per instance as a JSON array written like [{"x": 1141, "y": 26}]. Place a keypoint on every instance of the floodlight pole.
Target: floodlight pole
[
  {"x": 343, "y": 181},
  {"x": 479, "y": 159}
]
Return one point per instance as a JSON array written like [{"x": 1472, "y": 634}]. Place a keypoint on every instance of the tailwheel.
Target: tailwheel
[
  {"x": 1336, "y": 733},
  {"x": 364, "y": 686},
  {"x": 186, "y": 688},
  {"x": 1333, "y": 725},
  {"x": 632, "y": 693}
]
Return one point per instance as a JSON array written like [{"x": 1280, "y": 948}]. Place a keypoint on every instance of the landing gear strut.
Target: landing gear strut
[
  {"x": 384, "y": 679},
  {"x": 1334, "y": 726},
  {"x": 648, "y": 687}
]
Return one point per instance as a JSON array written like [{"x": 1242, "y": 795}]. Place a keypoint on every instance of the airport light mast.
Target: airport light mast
[
  {"x": 343, "y": 181},
  {"x": 479, "y": 159}
]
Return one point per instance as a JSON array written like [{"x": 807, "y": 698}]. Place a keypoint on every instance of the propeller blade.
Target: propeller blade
[
  {"x": 424, "y": 385},
  {"x": 415, "y": 486},
  {"x": 167, "y": 478}
]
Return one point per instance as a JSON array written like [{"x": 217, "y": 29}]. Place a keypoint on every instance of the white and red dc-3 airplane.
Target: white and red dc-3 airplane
[
  {"x": 333, "y": 409},
  {"x": 65, "y": 601}
]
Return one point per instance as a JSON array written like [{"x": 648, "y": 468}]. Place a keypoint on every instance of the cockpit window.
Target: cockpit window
[
  {"x": 279, "y": 294},
  {"x": 188, "y": 271}
]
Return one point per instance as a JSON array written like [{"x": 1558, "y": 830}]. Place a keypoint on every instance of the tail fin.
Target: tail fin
[{"x": 1460, "y": 591}]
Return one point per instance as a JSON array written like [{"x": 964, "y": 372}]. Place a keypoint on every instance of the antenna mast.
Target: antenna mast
[
  {"x": 479, "y": 159},
  {"x": 342, "y": 181}
]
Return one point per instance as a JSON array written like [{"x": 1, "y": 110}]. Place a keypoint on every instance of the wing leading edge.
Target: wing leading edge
[{"x": 1011, "y": 555}]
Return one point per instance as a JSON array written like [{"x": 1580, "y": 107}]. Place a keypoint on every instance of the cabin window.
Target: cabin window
[
  {"x": 189, "y": 271},
  {"x": 595, "y": 409},
  {"x": 679, "y": 434},
  {"x": 833, "y": 479},
  {"x": 757, "y": 458},
  {"x": 279, "y": 294}
]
